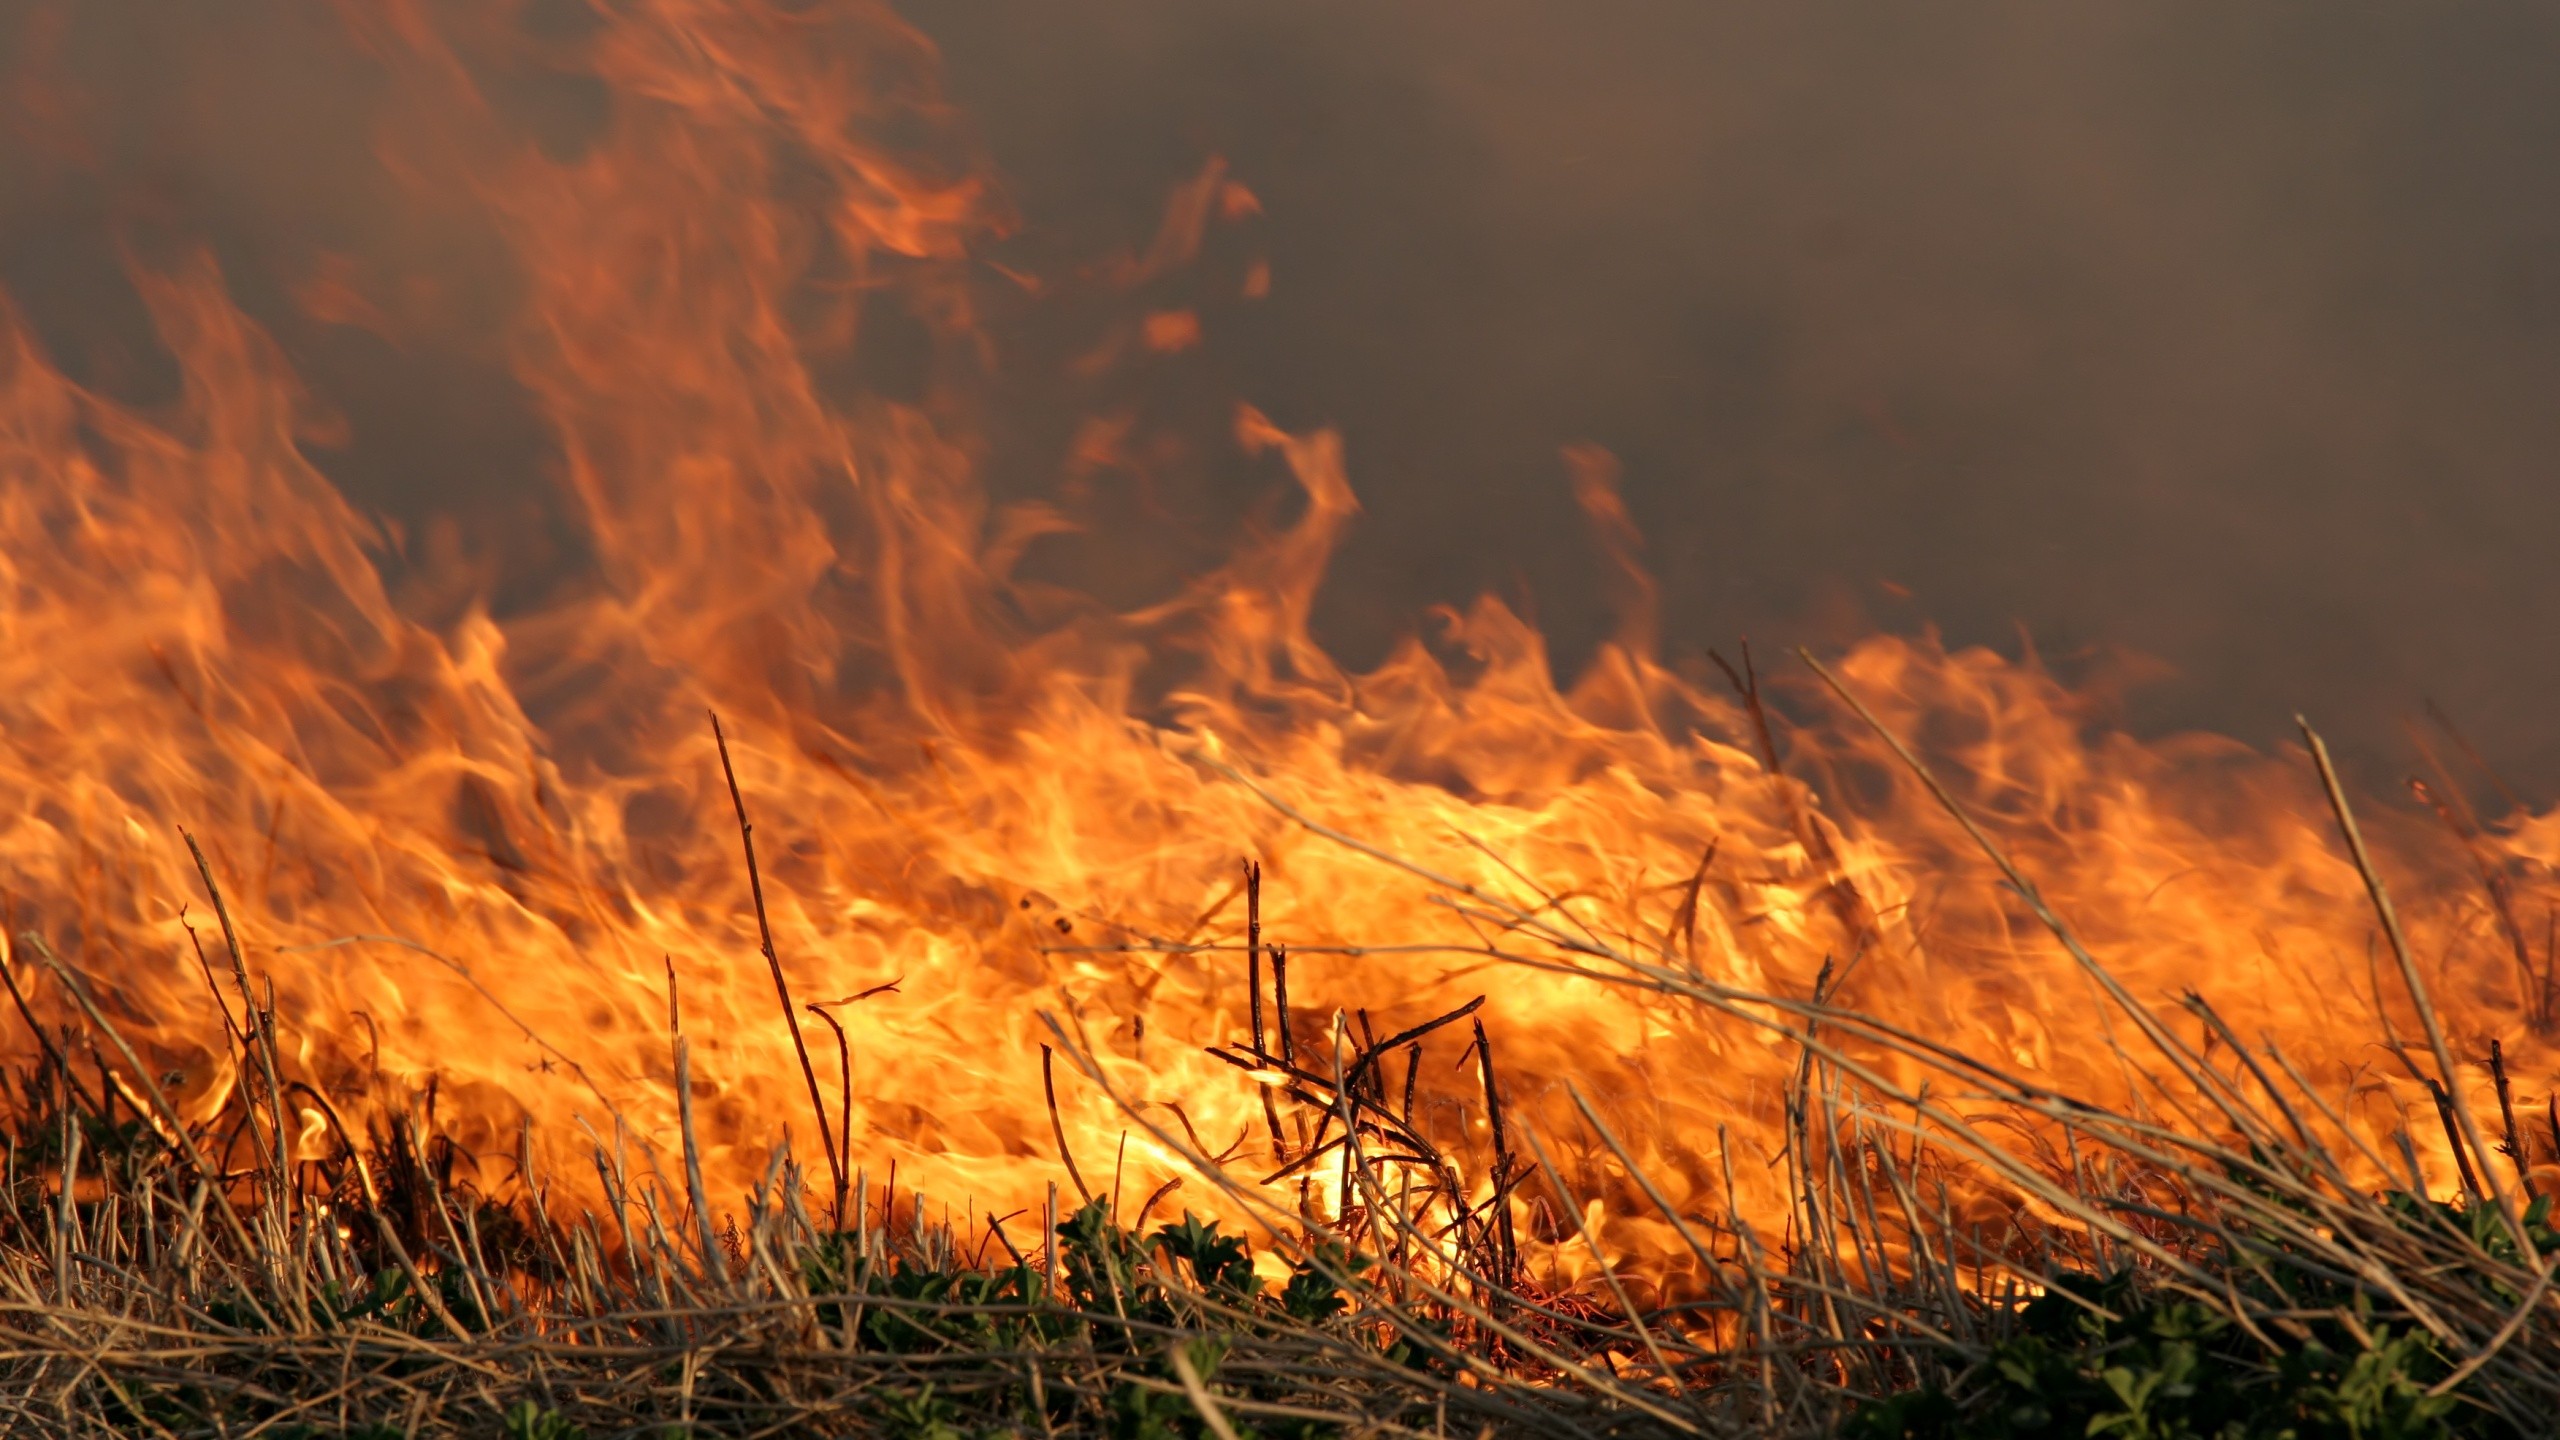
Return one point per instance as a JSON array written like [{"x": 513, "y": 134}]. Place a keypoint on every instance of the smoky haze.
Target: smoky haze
[{"x": 2227, "y": 335}]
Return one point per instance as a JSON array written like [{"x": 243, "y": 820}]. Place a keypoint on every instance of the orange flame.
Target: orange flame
[{"x": 467, "y": 848}]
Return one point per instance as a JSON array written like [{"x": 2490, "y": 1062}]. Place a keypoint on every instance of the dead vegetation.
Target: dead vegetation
[{"x": 2216, "y": 1261}]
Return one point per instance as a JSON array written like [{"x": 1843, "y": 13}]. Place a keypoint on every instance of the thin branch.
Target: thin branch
[{"x": 773, "y": 960}]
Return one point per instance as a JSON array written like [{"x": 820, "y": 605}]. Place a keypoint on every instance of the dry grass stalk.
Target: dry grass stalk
[{"x": 142, "y": 1289}]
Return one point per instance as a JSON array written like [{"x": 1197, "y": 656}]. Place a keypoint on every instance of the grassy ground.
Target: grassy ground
[{"x": 2230, "y": 1272}]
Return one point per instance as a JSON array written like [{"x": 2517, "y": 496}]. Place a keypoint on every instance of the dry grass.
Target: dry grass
[{"x": 145, "y": 1291}]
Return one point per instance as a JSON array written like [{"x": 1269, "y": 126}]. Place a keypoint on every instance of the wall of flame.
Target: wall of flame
[{"x": 467, "y": 838}]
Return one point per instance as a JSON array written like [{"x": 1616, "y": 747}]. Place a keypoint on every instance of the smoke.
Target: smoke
[
  {"x": 2224, "y": 335},
  {"x": 2221, "y": 334},
  {"x": 133, "y": 133}
]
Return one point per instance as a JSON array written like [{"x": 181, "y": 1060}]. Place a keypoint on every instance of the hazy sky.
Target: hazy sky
[{"x": 2228, "y": 333}]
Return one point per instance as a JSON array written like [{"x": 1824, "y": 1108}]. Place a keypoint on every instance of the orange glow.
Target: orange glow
[
  {"x": 1170, "y": 332},
  {"x": 466, "y": 850}
]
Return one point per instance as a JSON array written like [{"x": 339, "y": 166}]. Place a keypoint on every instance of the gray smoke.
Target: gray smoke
[{"x": 2228, "y": 334}]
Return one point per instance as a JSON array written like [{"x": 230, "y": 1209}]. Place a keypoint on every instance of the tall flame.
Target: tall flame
[{"x": 473, "y": 851}]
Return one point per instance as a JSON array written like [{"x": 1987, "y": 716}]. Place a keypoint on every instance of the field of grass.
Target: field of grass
[{"x": 2220, "y": 1264}]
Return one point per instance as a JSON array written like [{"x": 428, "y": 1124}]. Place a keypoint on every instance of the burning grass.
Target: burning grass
[
  {"x": 1764, "y": 1121},
  {"x": 1964, "y": 1252}
]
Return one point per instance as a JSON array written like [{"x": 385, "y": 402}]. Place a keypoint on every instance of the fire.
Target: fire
[{"x": 493, "y": 853}]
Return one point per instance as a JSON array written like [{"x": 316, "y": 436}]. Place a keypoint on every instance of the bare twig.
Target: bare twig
[
  {"x": 844, "y": 1100},
  {"x": 1280, "y": 1003},
  {"x": 2513, "y": 1145},
  {"x": 1253, "y": 947},
  {"x": 1058, "y": 1126},
  {"x": 256, "y": 1024},
  {"x": 773, "y": 960},
  {"x": 1510, "y": 1254},
  {"x": 714, "y": 1261},
  {"x": 2447, "y": 1076}
]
